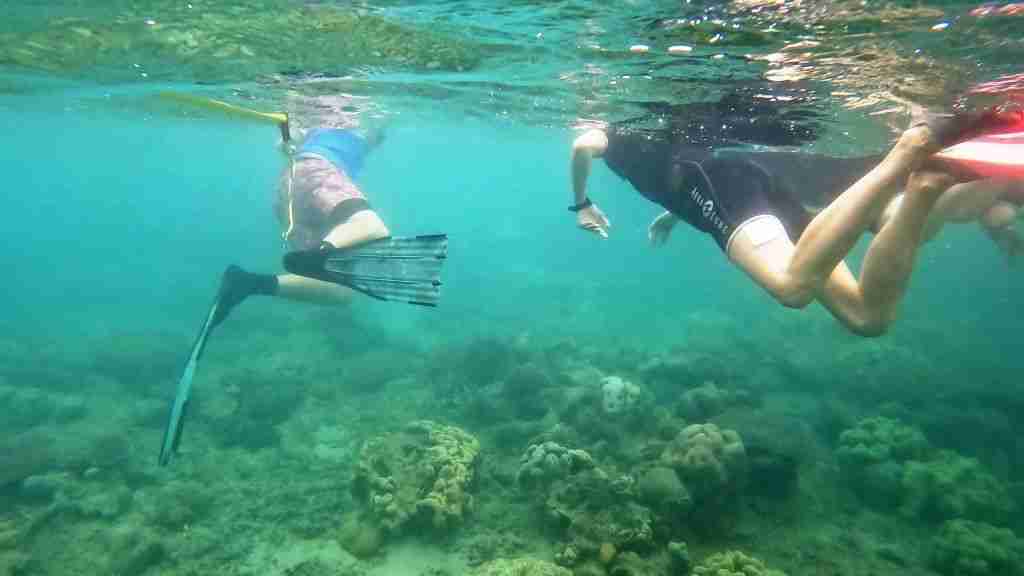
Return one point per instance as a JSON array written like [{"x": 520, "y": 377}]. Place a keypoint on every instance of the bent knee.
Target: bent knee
[
  {"x": 793, "y": 294},
  {"x": 869, "y": 328},
  {"x": 867, "y": 324}
]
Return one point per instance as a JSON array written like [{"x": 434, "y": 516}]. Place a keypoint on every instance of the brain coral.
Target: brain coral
[
  {"x": 706, "y": 458},
  {"x": 966, "y": 548},
  {"x": 421, "y": 472},
  {"x": 733, "y": 563}
]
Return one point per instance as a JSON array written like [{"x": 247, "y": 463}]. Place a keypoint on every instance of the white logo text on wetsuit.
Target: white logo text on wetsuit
[{"x": 707, "y": 210}]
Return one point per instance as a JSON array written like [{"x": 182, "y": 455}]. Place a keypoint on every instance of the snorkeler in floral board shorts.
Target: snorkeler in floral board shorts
[
  {"x": 319, "y": 205},
  {"x": 338, "y": 245}
]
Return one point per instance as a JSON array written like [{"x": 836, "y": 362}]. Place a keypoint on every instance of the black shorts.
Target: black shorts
[{"x": 725, "y": 191}]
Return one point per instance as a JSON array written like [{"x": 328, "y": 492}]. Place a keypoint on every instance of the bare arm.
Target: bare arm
[{"x": 591, "y": 144}]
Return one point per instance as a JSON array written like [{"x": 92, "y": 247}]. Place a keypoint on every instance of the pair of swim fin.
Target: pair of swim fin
[
  {"x": 394, "y": 269},
  {"x": 994, "y": 153},
  {"x": 983, "y": 145}
]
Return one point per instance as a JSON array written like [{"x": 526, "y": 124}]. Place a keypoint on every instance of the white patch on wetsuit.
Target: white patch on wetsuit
[{"x": 760, "y": 230}]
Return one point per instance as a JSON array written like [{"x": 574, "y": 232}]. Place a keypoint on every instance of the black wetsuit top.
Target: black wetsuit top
[{"x": 717, "y": 191}]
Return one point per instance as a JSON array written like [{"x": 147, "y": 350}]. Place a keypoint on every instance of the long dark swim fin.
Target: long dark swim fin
[
  {"x": 179, "y": 406},
  {"x": 396, "y": 269}
]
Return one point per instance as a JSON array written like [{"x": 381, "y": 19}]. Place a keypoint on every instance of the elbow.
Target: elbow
[
  {"x": 589, "y": 144},
  {"x": 580, "y": 152}
]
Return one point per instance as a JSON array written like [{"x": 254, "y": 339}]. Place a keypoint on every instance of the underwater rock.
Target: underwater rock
[
  {"x": 177, "y": 504},
  {"x": 25, "y": 455},
  {"x": 106, "y": 505},
  {"x": 589, "y": 568},
  {"x": 484, "y": 544},
  {"x": 25, "y": 407},
  {"x": 591, "y": 509},
  {"x": 132, "y": 550},
  {"x": 360, "y": 537},
  {"x": 706, "y": 458},
  {"x": 545, "y": 462},
  {"x": 708, "y": 400},
  {"x": 733, "y": 563},
  {"x": 878, "y": 439},
  {"x": 42, "y": 488},
  {"x": 873, "y": 455},
  {"x": 523, "y": 391},
  {"x": 257, "y": 403},
  {"x": 967, "y": 548},
  {"x": 776, "y": 443},
  {"x": 951, "y": 486},
  {"x": 618, "y": 395},
  {"x": 679, "y": 558},
  {"x": 661, "y": 489},
  {"x": 520, "y": 567},
  {"x": 631, "y": 564},
  {"x": 485, "y": 361},
  {"x": 422, "y": 473}
]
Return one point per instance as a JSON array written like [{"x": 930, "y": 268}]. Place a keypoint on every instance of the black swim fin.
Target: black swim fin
[
  {"x": 395, "y": 269},
  {"x": 183, "y": 394}
]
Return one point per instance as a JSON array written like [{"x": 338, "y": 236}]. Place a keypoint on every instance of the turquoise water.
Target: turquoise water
[{"x": 123, "y": 208}]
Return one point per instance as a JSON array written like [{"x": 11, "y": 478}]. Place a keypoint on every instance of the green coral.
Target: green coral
[
  {"x": 733, "y": 563},
  {"x": 706, "y": 458},
  {"x": 590, "y": 509},
  {"x": 952, "y": 486},
  {"x": 967, "y": 548},
  {"x": 520, "y": 567},
  {"x": 422, "y": 472},
  {"x": 880, "y": 439},
  {"x": 874, "y": 454}
]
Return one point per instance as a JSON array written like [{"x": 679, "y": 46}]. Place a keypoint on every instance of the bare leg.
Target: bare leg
[
  {"x": 833, "y": 232},
  {"x": 866, "y": 306},
  {"x": 890, "y": 256},
  {"x": 302, "y": 289},
  {"x": 976, "y": 201},
  {"x": 361, "y": 227}
]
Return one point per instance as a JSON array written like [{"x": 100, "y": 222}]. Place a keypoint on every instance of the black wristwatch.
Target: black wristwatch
[{"x": 577, "y": 207}]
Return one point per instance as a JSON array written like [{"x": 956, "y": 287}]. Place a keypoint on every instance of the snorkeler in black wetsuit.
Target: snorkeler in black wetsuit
[
  {"x": 756, "y": 206},
  {"x": 717, "y": 192}
]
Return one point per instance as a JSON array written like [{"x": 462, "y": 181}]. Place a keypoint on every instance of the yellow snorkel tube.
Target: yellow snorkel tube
[
  {"x": 279, "y": 118},
  {"x": 235, "y": 111}
]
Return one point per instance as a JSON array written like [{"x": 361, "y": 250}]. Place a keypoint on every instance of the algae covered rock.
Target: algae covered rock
[
  {"x": 422, "y": 473},
  {"x": 880, "y": 439},
  {"x": 951, "y": 486},
  {"x": 708, "y": 400},
  {"x": 679, "y": 557},
  {"x": 520, "y": 567},
  {"x": 967, "y": 548},
  {"x": 618, "y": 395},
  {"x": 706, "y": 458},
  {"x": 661, "y": 488},
  {"x": 874, "y": 454},
  {"x": 592, "y": 510},
  {"x": 548, "y": 461},
  {"x": 778, "y": 443},
  {"x": 733, "y": 563}
]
